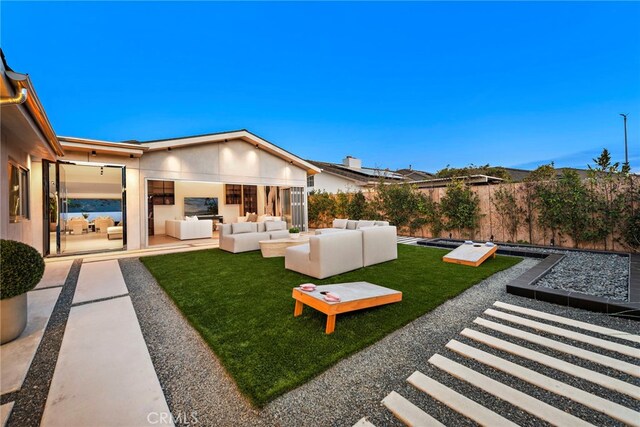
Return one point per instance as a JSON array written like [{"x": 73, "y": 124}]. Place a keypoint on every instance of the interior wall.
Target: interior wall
[{"x": 183, "y": 189}]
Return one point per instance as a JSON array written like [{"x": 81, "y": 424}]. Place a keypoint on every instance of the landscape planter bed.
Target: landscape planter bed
[{"x": 525, "y": 284}]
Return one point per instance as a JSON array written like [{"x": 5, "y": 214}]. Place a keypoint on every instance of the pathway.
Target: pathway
[{"x": 586, "y": 364}]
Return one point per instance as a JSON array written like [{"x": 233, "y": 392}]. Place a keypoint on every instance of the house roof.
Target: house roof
[
  {"x": 361, "y": 176},
  {"x": 469, "y": 179},
  {"x": 13, "y": 83},
  {"x": 243, "y": 134},
  {"x": 102, "y": 147},
  {"x": 415, "y": 175},
  {"x": 518, "y": 175}
]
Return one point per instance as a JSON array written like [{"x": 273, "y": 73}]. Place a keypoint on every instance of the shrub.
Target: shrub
[
  {"x": 294, "y": 230},
  {"x": 460, "y": 208},
  {"x": 21, "y": 270}
]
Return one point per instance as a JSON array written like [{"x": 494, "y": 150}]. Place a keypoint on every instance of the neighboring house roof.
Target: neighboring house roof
[
  {"x": 518, "y": 175},
  {"x": 415, "y": 175},
  {"x": 15, "y": 82},
  {"x": 243, "y": 134},
  {"x": 360, "y": 176},
  {"x": 469, "y": 179}
]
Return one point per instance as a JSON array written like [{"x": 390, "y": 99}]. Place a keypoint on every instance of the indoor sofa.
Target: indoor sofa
[
  {"x": 334, "y": 253},
  {"x": 246, "y": 236},
  {"x": 189, "y": 229}
]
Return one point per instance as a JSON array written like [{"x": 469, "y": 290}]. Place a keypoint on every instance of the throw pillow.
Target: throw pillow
[
  {"x": 382, "y": 223},
  {"x": 340, "y": 223},
  {"x": 362, "y": 224},
  {"x": 252, "y": 218},
  {"x": 275, "y": 225},
  {"x": 351, "y": 224},
  {"x": 241, "y": 227}
]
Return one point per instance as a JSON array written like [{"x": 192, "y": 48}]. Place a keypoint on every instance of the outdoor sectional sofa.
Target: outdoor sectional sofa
[
  {"x": 338, "y": 251},
  {"x": 245, "y": 236},
  {"x": 350, "y": 224}
]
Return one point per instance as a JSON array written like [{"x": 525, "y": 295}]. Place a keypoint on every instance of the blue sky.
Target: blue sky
[{"x": 426, "y": 84}]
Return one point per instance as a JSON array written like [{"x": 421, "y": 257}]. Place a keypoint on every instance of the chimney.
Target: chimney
[{"x": 352, "y": 162}]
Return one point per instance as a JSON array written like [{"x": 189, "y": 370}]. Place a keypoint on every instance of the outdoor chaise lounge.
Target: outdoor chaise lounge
[{"x": 334, "y": 253}]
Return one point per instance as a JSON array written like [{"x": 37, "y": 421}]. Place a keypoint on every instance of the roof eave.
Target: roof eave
[{"x": 35, "y": 109}]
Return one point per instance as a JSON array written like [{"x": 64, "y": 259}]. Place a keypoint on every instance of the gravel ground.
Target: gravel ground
[
  {"x": 194, "y": 381},
  {"x": 603, "y": 275},
  {"x": 594, "y": 274}
]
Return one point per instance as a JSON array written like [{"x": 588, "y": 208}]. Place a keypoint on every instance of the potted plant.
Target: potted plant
[
  {"x": 294, "y": 232},
  {"x": 21, "y": 269}
]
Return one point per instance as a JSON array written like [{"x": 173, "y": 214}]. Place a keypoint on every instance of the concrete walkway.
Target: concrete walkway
[{"x": 104, "y": 374}]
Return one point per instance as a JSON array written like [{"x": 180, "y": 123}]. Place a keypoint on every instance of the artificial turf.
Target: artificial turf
[{"x": 241, "y": 305}]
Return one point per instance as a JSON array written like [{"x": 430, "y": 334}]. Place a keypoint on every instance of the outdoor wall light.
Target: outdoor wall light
[
  {"x": 168, "y": 148},
  {"x": 257, "y": 145},
  {"x": 93, "y": 153},
  {"x": 131, "y": 156}
]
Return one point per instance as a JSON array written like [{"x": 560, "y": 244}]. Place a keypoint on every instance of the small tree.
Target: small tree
[
  {"x": 572, "y": 199},
  {"x": 320, "y": 208},
  {"x": 397, "y": 203},
  {"x": 460, "y": 208},
  {"x": 607, "y": 199},
  {"x": 548, "y": 206},
  {"x": 505, "y": 200},
  {"x": 357, "y": 206}
]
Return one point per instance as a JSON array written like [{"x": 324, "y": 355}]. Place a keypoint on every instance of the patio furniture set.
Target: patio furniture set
[
  {"x": 101, "y": 225},
  {"x": 348, "y": 245}
]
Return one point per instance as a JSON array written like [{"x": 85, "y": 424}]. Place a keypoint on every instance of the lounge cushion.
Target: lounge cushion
[
  {"x": 351, "y": 224},
  {"x": 340, "y": 223},
  {"x": 275, "y": 225},
  {"x": 242, "y": 227},
  {"x": 362, "y": 224}
]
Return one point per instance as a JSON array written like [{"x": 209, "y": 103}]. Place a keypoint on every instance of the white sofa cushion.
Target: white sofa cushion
[
  {"x": 275, "y": 225},
  {"x": 363, "y": 223},
  {"x": 243, "y": 227},
  {"x": 340, "y": 223},
  {"x": 352, "y": 224}
]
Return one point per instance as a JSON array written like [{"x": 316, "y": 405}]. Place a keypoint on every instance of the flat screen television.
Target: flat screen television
[{"x": 200, "y": 206}]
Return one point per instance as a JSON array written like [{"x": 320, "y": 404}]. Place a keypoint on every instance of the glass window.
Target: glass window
[
  {"x": 18, "y": 193},
  {"x": 310, "y": 180}
]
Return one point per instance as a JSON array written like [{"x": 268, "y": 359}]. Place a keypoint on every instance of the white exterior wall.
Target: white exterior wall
[
  {"x": 333, "y": 183},
  {"x": 22, "y": 230},
  {"x": 232, "y": 162}
]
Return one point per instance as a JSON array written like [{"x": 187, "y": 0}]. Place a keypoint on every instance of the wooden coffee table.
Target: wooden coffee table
[
  {"x": 354, "y": 296},
  {"x": 277, "y": 247}
]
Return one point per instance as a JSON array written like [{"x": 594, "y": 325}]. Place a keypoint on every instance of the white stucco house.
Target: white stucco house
[{"x": 66, "y": 195}]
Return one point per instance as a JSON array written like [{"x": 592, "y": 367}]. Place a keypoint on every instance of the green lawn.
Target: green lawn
[{"x": 241, "y": 304}]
